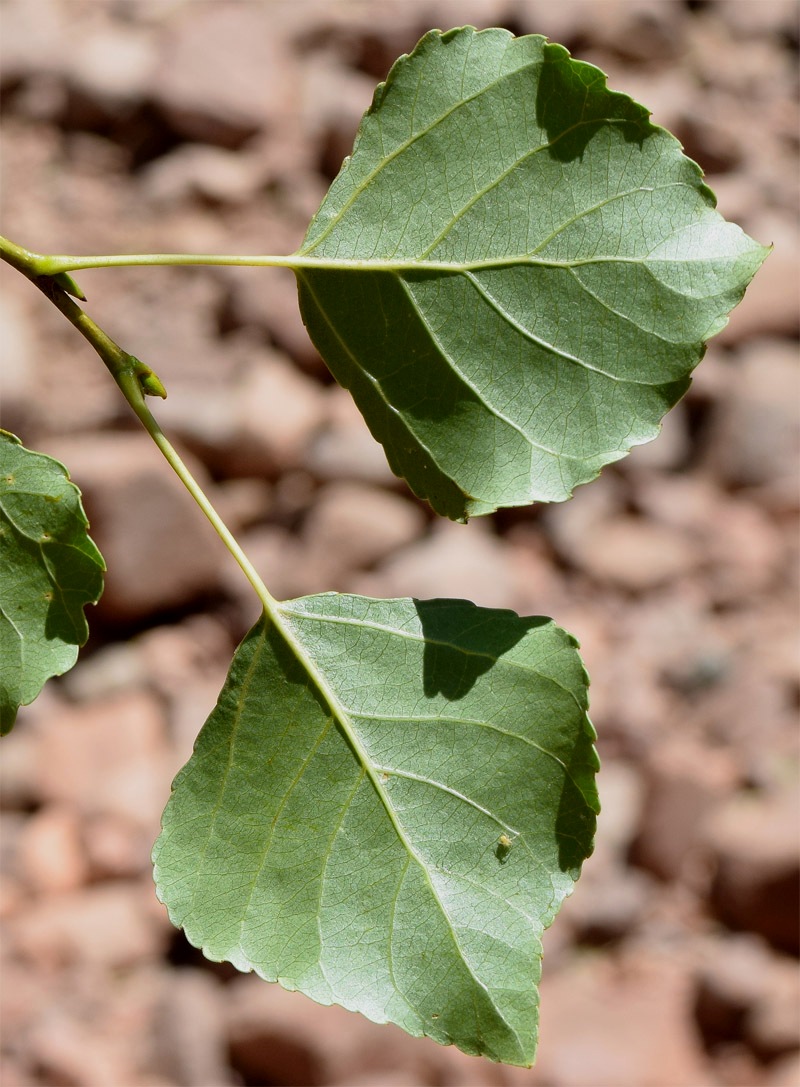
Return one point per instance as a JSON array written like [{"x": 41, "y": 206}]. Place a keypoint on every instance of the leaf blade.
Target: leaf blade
[
  {"x": 533, "y": 270},
  {"x": 360, "y": 864},
  {"x": 49, "y": 571}
]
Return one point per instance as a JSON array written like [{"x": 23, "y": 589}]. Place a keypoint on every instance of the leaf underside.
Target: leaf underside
[
  {"x": 49, "y": 571},
  {"x": 385, "y": 810},
  {"x": 539, "y": 267}
]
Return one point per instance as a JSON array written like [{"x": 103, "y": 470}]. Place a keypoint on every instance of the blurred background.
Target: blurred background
[{"x": 216, "y": 125}]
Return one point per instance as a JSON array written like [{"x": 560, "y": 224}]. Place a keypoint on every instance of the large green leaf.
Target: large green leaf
[
  {"x": 515, "y": 271},
  {"x": 49, "y": 570},
  {"x": 386, "y": 808}
]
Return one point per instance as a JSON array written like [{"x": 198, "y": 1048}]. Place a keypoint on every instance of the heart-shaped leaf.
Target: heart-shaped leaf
[
  {"x": 515, "y": 272},
  {"x": 386, "y": 808},
  {"x": 49, "y": 570}
]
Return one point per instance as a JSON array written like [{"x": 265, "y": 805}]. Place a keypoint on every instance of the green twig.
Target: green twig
[
  {"x": 136, "y": 380},
  {"x": 56, "y": 266}
]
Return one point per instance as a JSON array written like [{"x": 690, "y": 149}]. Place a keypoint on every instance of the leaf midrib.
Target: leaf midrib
[
  {"x": 301, "y": 262},
  {"x": 280, "y": 618},
  {"x": 341, "y": 715}
]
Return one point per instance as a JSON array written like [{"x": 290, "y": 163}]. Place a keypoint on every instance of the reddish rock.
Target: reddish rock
[
  {"x": 465, "y": 561},
  {"x": 746, "y": 991},
  {"x": 52, "y": 856},
  {"x": 190, "y": 1039},
  {"x": 683, "y": 782},
  {"x": 211, "y": 173},
  {"x": 640, "y": 30},
  {"x": 570, "y": 525},
  {"x": 727, "y": 710},
  {"x": 352, "y": 526},
  {"x": 20, "y": 999},
  {"x": 612, "y": 903},
  {"x": 773, "y": 1027},
  {"x": 109, "y": 757},
  {"x": 189, "y": 712},
  {"x": 286, "y": 1038},
  {"x": 112, "y": 67},
  {"x": 19, "y": 766},
  {"x": 745, "y": 553},
  {"x": 686, "y": 501},
  {"x": 344, "y": 447},
  {"x": 732, "y": 976},
  {"x": 293, "y": 496},
  {"x": 253, "y": 81},
  {"x": 754, "y": 841},
  {"x": 279, "y": 1035},
  {"x": 18, "y": 357},
  {"x": 643, "y": 30},
  {"x": 107, "y": 926},
  {"x": 663, "y": 89},
  {"x": 13, "y": 1072},
  {"x": 113, "y": 670},
  {"x": 173, "y": 657},
  {"x": 634, "y": 554},
  {"x": 335, "y": 100},
  {"x": 713, "y": 139},
  {"x": 626, "y": 1025},
  {"x": 736, "y": 194},
  {"x": 115, "y": 847},
  {"x": 540, "y": 587},
  {"x": 755, "y": 432},
  {"x": 244, "y": 502},
  {"x": 741, "y": 547},
  {"x": 32, "y": 39},
  {"x": 773, "y": 17},
  {"x": 13, "y": 889},
  {"x": 622, "y": 796},
  {"x": 735, "y": 1066},
  {"x": 67, "y": 1052},
  {"x": 278, "y": 410},
  {"x": 785, "y": 1072}
]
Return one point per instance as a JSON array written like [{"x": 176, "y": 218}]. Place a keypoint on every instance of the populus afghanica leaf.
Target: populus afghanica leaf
[
  {"x": 49, "y": 569},
  {"x": 386, "y": 808},
  {"x": 515, "y": 271}
]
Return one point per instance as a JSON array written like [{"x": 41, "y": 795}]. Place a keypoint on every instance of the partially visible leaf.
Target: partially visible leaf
[
  {"x": 386, "y": 808},
  {"x": 49, "y": 570},
  {"x": 515, "y": 272}
]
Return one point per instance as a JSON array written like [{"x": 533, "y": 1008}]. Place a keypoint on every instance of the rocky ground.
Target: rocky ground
[{"x": 216, "y": 126}]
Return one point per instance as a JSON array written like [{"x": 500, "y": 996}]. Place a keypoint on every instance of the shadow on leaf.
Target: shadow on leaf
[
  {"x": 463, "y": 641},
  {"x": 562, "y": 95}
]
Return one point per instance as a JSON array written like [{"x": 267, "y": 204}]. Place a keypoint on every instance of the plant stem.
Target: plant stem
[
  {"x": 136, "y": 380},
  {"x": 56, "y": 266},
  {"x": 51, "y": 265},
  {"x": 137, "y": 402}
]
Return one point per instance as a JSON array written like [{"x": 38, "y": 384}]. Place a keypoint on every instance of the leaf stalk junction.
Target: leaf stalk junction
[{"x": 136, "y": 381}]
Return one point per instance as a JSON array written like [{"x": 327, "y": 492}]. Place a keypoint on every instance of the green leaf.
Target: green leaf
[
  {"x": 515, "y": 272},
  {"x": 49, "y": 570},
  {"x": 386, "y": 808}
]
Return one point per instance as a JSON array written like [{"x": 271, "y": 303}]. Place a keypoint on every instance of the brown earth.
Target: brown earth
[{"x": 179, "y": 125}]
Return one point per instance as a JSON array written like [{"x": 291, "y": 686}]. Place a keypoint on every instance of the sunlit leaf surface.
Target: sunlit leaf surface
[
  {"x": 386, "y": 808},
  {"x": 517, "y": 271}
]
